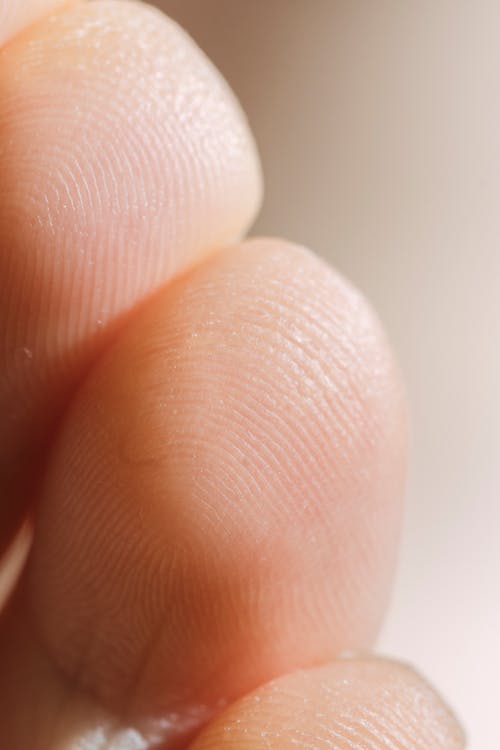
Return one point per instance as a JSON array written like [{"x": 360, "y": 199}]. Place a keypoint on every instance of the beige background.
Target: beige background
[{"x": 379, "y": 129}]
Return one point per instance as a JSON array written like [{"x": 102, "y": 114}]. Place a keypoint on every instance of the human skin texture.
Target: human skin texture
[
  {"x": 15, "y": 15},
  {"x": 209, "y": 433},
  {"x": 116, "y": 129}
]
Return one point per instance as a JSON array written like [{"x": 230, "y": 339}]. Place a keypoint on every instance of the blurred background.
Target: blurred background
[{"x": 379, "y": 130}]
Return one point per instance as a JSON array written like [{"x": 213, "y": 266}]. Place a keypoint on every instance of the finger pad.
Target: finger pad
[
  {"x": 225, "y": 495},
  {"x": 356, "y": 705}
]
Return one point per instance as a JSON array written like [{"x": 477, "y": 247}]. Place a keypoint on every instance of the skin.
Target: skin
[
  {"x": 16, "y": 16},
  {"x": 209, "y": 432}
]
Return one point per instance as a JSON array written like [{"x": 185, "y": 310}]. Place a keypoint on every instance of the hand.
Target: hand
[{"x": 209, "y": 433}]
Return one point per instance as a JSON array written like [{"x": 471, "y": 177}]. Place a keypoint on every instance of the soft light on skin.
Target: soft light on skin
[
  {"x": 15, "y": 15},
  {"x": 12, "y": 563}
]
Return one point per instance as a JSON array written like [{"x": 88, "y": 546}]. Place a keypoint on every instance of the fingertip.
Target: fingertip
[
  {"x": 372, "y": 704},
  {"x": 128, "y": 160},
  {"x": 228, "y": 483}
]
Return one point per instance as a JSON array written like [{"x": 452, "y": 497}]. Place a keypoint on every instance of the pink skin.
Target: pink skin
[
  {"x": 15, "y": 15},
  {"x": 94, "y": 207},
  {"x": 214, "y": 431}
]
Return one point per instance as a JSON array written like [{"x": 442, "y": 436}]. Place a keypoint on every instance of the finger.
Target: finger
[
  {"x": 350, "y": 705},
  {"x": 16, "y": 14},
  {"x": 223, "y": 502},
  {"x": 125, "y": 158}
]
